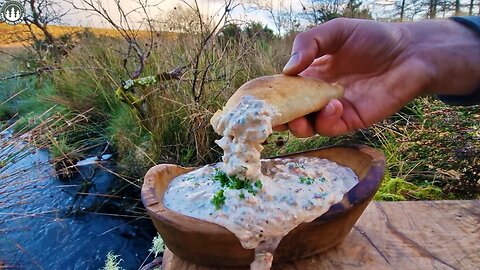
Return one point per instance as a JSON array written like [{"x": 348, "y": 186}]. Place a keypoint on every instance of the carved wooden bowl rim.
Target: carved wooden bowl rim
[{"x": 363, "y": 191}]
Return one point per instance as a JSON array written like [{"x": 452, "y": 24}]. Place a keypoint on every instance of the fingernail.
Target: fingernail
[
  {"x": 293, "y": 61},
  {"x": 329, "y": 110}
]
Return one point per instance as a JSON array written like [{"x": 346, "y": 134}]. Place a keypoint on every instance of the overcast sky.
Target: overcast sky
[
  {"x": 241, "y": 12},
  {"x": 378, "y": 8},
  {"x": 76, "y": 17}
]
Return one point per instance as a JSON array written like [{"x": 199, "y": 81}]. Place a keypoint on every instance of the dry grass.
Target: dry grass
[
  {"x": 18, "y": 35},
  {"x": 168, "y": 122},
  {"x": 431, "y": 148}
]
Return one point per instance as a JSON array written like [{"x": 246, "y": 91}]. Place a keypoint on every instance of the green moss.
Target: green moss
[
  {"x": 6, "y": 112},
  {"x": 398, "y": 189}
]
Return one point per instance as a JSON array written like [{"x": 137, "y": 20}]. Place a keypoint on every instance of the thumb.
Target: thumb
[
  {"x": 324, "y": 39},
  {"x": 329, "y": 121}
]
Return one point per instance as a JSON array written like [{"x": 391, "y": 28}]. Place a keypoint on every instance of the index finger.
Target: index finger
[{"x": 324, "y": 39}]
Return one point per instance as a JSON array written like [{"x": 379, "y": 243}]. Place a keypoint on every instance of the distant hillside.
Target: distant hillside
[{"x": 19, "y": 34}]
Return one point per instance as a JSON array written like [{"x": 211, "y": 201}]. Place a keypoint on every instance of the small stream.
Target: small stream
[{"x": 46, "y": 223}]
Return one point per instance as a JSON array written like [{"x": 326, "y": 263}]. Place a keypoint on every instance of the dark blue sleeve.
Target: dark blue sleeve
[{"x": 472, "y": 22}]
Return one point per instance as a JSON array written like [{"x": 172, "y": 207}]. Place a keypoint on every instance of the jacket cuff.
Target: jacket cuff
[
  {"x": 473, "y": 99},
  {"x": 473, "y": 23}
]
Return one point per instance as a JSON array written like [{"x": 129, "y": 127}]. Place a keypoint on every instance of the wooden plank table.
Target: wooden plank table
[{"x": 396, "y": 235}]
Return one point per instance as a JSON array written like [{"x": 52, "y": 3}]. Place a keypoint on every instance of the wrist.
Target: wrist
[{"x": 450, "y": 53}]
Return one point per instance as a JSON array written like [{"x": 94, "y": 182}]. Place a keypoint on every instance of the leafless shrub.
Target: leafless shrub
[{"x": 139, "y": 34}]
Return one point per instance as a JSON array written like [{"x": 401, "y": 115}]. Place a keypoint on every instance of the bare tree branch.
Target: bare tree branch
[
  {"x": 38, "y": 71},
  {"x": 128, "y": 29},
  {"x": 206, "y": 34}
]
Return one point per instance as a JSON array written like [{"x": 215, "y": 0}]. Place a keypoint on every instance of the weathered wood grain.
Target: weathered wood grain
[{"x": 396, "y": 235}]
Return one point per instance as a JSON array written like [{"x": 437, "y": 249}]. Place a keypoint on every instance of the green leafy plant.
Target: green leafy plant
[
  {"x": 157, "y": 245},
  {"x": 112, "y": 262}
]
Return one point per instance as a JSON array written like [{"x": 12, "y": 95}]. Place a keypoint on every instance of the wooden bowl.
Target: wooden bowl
[{"x": 210, "y": 244}]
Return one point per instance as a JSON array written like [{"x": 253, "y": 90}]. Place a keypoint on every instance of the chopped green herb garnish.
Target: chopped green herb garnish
[
  {"x": 237, "y": 183},
  {"x": 251, "y": 190},
  {"x": 187, "y": 179},
  {"x": 218, "y": 199},
  {"x": 222, "y": 177},
  {"x": 306, "y": 180},
  {"x": 233, "y": 182},
  {"x": 229, "y": 181}
]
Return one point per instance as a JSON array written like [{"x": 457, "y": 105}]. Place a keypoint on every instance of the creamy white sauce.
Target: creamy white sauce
[
  {"x": 262, "y": 261},
  {"x": 243, "y": 130},
  {"x": 292, "y": 190}
]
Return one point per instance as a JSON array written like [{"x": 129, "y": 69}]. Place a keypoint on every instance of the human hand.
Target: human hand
[{"x": 382, "y": 66}]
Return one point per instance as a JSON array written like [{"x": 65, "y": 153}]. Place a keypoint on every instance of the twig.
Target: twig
[
  {"x": 30, "y": 255},
  {"x": 175, "y": 74},
  {"x": 41, "y": 70},
  {"x": 157, "y": 262},
  {"x": 38, "y": 71}
]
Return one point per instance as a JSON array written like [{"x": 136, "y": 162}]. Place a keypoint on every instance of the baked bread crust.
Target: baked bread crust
[{"x": 291, "y": 96}]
